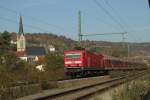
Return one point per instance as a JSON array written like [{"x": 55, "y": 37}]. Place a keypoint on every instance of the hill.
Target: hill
[{"x": 62, "y": 43}]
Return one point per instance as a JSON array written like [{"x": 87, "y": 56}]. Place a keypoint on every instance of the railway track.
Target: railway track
[{"x": 81, "y": 92}]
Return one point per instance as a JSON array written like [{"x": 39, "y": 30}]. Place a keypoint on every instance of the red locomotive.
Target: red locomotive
[{"x": 82, "y": 62}]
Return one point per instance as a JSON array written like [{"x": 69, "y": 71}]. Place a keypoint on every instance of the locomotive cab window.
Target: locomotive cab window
[{"x": 73, "y": 55}]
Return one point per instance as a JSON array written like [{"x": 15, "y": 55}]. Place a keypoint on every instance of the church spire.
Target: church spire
[
  {"x": 20, "y": 26},
  {"x": 21, "y": 41}
]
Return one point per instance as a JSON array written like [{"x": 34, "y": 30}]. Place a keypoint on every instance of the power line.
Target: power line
[
  {"x": 26, "y": 25},
  {"x": 118, "y": 15},
  {"x": 121, "y": 19},
  {"x": 10, "y": 10},
  {"x": 96, "y": 18},
  {"x": 107, "y": 12},
  {"x": 115, "y": 12},
  {"x": 33, "y": 19}
]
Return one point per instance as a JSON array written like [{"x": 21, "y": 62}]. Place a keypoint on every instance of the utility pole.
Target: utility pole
[
  {"x": 79, "y": 27},
  {"x": 128, "y": 50},
  {"x": 123, "y": 39}
]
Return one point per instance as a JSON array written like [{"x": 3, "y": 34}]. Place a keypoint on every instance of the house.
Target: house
[
  {"x": 13, "y": 42},
  {"x": 21, "y": 55},
  {"x": 51, "y": 48},
  {"x": 35, "y": 53}
]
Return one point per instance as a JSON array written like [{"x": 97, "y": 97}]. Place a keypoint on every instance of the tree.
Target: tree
[
  {"x": 9, "y": 61},
  {"x": 119, "y": 52},
  {"x": 54, "y": 60},
  {"x": 54, "y": 66},
  {"x": 5, "y": 39},
  {"x": 4, "y": 46}
]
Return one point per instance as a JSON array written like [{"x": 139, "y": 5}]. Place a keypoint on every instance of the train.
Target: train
[{"x": 84, "y": 62}]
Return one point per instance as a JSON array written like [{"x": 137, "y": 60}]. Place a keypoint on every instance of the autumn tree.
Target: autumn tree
[
  {"x": 5, "y": 39},
  {"x": 54, "y": 60}
]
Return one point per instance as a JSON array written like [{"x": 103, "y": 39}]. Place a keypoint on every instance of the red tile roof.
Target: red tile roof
[{"x": 20, "y": 53}]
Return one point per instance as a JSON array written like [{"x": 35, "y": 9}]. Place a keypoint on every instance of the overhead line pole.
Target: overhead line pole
[
  {"x": 123, "y": 39},
  {"x": 80, "y": 35},
  {"x": 79, "y": 27}
]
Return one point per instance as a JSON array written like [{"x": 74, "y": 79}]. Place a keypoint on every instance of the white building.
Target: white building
[{"x": 51, "y": 48}]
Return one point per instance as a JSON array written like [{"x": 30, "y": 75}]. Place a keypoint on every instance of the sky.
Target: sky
[{"x": 98, "y": 16}]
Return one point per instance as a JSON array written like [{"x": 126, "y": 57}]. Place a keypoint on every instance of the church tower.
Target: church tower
[{"x": 21, "y": 41}]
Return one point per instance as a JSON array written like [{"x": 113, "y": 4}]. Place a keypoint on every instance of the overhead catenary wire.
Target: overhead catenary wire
[
  {"x": 115, "y": 12},
  {"x": 113, "y": 18},
  {"x": 103, "y": 34},
  {"x": 130, "y": 29},
  {"x": 118, "y": 15},
  {"x": 96, "y": 18},
  {"x": 123, "y": 23},
  {"x": 107, "y": 12},
  {"x": 37, "y": 20},
  {"x": 10, "y": 10}
]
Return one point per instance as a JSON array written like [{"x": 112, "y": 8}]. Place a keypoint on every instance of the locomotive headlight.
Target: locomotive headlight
[
  {"x": 78, "y": 62},
  {"x": 68, "y": 62},
  {"x": 73, "y": 62}
]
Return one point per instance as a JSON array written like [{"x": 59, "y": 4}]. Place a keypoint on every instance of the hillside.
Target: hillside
[
  {"x": 135, "y": 49},
  {"x": 62, "y": 43}
]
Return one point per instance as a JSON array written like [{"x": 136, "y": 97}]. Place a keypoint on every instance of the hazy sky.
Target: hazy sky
[{"x": 60, "y": 17}]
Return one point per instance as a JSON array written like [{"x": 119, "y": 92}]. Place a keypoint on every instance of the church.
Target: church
[{"x": 29, "y": 54}]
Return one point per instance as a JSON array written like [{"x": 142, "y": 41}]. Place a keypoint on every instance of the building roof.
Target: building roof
[
  {"x": 20, "y": 53},
  {"x": 35, "y": 51}
]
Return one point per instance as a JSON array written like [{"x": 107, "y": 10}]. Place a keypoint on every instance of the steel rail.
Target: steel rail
[{"x": 60, "y": 92}]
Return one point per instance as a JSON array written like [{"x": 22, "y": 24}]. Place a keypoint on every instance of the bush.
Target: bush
[
  {"x": 54, "y": 60},
  {"x": 135, "y": 91}
]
